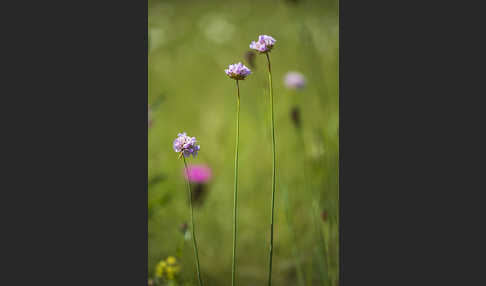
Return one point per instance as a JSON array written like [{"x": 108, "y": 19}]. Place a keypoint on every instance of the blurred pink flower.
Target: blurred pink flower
[
  {"x": 198, "y": 173},
  {"x": 294, "y": 80}
]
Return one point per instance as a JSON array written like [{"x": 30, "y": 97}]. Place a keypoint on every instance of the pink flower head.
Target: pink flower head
[
  {"x": 264, "y": 44},
  {"x": 198, "y": 173},
  {"x": 294, "y": 80},
  {"x": 237, "y": 71}
]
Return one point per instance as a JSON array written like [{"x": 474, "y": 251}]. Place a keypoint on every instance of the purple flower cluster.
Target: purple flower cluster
[
  {"x": 264, "y": 44},
  {"x": 238, "y": 71},
  {"x": 294, "y": 80},
  {"x": 186, "y": 145}
]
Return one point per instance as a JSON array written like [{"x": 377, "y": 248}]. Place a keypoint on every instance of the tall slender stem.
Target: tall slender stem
[
  {"x": 194, "y": 242},
  {"x": 273, "y": 171},
  {"x": 235, "y": 196}
]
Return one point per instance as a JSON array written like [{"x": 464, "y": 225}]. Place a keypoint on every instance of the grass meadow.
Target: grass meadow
[{"x": 191, "y": 43}]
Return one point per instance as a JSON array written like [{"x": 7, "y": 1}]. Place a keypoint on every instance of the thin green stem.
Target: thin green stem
[
  {"x": 194, "y": 242},
  {"x": 233, "y": 269},
  {"x": 273, "y": 172}
]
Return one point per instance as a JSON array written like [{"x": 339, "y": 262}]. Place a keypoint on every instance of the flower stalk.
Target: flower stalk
[
  {"x": 264, "y": 45},
  {"x": 270, "y": 255},
  {"x": 194, "y": 241},
  {"x": 237, "y": 72},
  {"x": 235, "y": 196}
]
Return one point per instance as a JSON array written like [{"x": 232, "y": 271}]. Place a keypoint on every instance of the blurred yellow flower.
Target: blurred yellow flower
[
  {"x": 167, "y": 269},
  {"x": 170, "y": 273},
  {"x": 160, "y": 269},
  {"x": 171, "y": 260}
]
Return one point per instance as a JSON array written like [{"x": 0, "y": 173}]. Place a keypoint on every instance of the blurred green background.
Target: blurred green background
[{"x": 190, "y": 45}]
